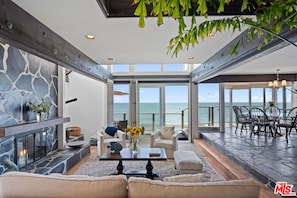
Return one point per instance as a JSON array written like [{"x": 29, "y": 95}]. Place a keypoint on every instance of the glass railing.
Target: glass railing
[{"x": 208, "y": 117}]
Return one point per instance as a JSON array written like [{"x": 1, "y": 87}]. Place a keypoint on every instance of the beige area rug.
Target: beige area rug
[{"x": 95, "y": 167}]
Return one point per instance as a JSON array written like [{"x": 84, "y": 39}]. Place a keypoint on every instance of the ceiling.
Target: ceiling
[{"x": 123, "y": 41}]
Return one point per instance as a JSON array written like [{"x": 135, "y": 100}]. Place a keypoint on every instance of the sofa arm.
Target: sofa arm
[
  {"x": 174, "y": 141},
  {"x": 100, "y": 143},
  {"x": 122, "y": 136},
  {"x": 154, "y": 136}
]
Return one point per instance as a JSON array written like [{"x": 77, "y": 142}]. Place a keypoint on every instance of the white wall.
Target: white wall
[{"x": 89, "y": 111}]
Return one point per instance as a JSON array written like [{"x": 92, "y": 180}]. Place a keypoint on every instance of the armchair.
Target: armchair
[
  {"x": 104, "y": 140},
  {"x": 166, "y": 138}
]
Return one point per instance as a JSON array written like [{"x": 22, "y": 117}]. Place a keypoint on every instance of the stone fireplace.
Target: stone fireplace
[{"x": 34, "y": 146}]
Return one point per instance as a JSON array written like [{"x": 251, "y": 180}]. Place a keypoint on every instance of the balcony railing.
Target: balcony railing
[{"x": 208, "y": 116}]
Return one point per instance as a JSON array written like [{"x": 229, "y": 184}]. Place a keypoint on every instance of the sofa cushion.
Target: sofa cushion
[
  {"x": 167, "y": 132},
  {"x": 163, "y": 143},
  {"x": 246, "y": 188},
  {"x": 20, "y": 184},
  {"x": 186, "y": 178},
  {"x": 111, "y": 131}
]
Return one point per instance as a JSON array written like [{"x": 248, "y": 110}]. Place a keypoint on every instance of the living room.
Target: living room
[{"x": 28, "y": 78}]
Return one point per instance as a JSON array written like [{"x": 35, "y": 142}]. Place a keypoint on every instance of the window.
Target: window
[
  {"x": 175, "y": 67},
  {"x": 120, "y": 68},
  {"x": 147, "y": 67}
]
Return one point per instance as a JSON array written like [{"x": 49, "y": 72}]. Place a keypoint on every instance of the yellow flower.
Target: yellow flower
[{"x": 135, "y": 131}]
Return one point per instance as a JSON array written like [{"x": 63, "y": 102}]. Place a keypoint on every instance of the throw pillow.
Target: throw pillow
[
  {"x": 167, "y": 132},
  {"x": 111, "y": 130},
  {"x": 186, "y": 178}
]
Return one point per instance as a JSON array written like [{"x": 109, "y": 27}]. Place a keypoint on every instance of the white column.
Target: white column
[
  {"x": 294, "y": 95},
  {"x": 61, "y": 107},
  {"x": 222, "y": 107},
  {"x": 193, "y": 111}
]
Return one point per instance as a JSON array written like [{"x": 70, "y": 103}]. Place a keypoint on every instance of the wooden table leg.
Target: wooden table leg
[
  {"x": 149, "y": 169},
  {"x": 120, "y": 167}
]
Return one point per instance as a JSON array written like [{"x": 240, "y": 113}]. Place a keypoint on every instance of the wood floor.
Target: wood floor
[{"x": 221, "y": 164}]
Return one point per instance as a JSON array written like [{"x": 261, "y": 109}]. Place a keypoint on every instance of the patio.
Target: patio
[{"x": 268, "y": 159}]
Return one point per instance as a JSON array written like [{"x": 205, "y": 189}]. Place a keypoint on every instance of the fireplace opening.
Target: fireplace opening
[{"x": 34, "y": 146}]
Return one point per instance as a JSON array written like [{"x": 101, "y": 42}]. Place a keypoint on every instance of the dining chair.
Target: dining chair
[
  {"x": 260, "y": 120},
  {"x": 241, "y": 118},
  {"x": 289, "y": 122}
]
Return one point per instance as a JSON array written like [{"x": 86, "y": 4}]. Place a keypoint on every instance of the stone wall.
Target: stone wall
[{"x": 24, "y": 78}]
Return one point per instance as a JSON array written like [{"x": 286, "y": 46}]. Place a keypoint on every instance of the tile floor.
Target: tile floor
[{"x": 267, "y": 158}]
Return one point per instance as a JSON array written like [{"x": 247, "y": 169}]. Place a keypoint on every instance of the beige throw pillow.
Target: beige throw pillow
[
  {"x": 186, "y": 178},
  {"x": 167, "y": 132}
]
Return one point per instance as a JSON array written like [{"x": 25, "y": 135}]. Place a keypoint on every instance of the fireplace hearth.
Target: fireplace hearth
[{"x": 32, "y": 147}]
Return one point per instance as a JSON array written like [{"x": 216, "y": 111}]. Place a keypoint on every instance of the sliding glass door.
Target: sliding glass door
[{"x": 150, "y": 107}]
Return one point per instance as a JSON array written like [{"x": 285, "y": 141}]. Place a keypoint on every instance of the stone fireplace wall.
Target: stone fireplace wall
[{"x": 24, "y": 78}]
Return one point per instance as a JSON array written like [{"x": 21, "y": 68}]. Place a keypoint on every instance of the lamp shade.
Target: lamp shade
[{"x": 284, "y": 83}]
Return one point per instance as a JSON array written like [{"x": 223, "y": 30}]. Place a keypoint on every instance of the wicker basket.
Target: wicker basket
[{"x": 73, "y": 131}]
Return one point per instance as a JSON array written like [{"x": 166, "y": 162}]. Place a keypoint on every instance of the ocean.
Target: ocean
[{"x": 150, "y": 114}]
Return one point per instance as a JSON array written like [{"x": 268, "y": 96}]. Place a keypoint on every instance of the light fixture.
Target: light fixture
[
  {"x": 277, "y": 83},
  {"x": 90, "y": 37}
]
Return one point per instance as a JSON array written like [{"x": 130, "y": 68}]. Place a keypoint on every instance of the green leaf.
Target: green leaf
[
  {"x": 234, "y": 49},
  {"x": 202, "y": 7},
  {"x": 244, "y": 5},
  {"x": 221, "y": 7}
]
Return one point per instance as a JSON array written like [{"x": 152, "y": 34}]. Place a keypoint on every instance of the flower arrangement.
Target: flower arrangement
[
  {"x": 134, "y": 133},
  {"x": 42, "y": 107}
]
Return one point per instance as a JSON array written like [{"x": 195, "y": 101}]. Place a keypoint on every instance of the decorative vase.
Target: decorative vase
[
  {"x": 38, "y": 117},
  {"x": 134, "y": 145}
]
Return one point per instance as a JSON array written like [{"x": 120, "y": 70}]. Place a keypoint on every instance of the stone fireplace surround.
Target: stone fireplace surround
[{"x": 28, "y": 78}]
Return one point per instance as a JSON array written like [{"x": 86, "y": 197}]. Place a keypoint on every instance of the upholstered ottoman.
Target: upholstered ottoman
[{"x": 187, "y": 162}]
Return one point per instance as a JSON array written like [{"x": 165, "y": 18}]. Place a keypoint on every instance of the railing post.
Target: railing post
[
  {"x": 182, "y": 119},
  {"x": 210, "y": 116},
  {"x": 124, "y": 116},
  {"x": 153, "y": 119}
]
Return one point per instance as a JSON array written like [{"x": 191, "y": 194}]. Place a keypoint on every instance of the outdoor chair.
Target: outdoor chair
[
  {"x": 260, "y": 121},
  {"x": 166, "y": 138},
  {"x": 243, "y": 119},
  {"x": 289, "y": 122},
  {"x": 122, "y": 125}
]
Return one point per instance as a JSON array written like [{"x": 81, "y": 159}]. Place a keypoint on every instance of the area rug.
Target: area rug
[{"x": 97, "y": 168}]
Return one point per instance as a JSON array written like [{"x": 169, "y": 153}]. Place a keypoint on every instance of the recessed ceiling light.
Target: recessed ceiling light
[
  {"x": 190, "y": 57},
  {"x": 110, "y": 59},
  {"x": 90, "y": 37}
]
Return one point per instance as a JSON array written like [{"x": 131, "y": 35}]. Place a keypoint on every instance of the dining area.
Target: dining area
[{"x": 269, "y": 122}]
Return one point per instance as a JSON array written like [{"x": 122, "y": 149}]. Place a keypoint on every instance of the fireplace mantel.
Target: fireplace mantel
[{"x": 30, "y": 126}]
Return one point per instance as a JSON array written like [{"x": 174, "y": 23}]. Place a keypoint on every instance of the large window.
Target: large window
[
  {"x": 147, "y": 68},
  {"x": 121, "y": 102},
  {"x": 120, "y": 68},
  {"x": 208, "y": 104}
]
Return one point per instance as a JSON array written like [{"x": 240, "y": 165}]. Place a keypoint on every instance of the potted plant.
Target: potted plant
[{"x": 41, "y": 107}]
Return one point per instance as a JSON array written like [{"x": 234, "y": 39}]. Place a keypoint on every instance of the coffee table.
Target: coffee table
[{"x": 149, "y": 154}]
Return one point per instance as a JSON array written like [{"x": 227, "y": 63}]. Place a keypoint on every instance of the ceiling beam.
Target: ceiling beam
[
  {"x": 20, "y": 29},
  {"x": 250, "y": 78},
  {"x": 222, "y": 61}
]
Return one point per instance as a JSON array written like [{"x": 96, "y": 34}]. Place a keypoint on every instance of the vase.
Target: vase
[
  {"x": 134, "y": 145},
  {"x": 38, "y": 117}
]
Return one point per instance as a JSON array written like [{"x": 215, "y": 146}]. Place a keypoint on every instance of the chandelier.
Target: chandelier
[{"x": 277, "y": 83}]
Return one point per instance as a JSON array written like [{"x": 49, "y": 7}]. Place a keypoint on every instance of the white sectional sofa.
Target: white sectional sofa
[{"x": 20, "y": 184}]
